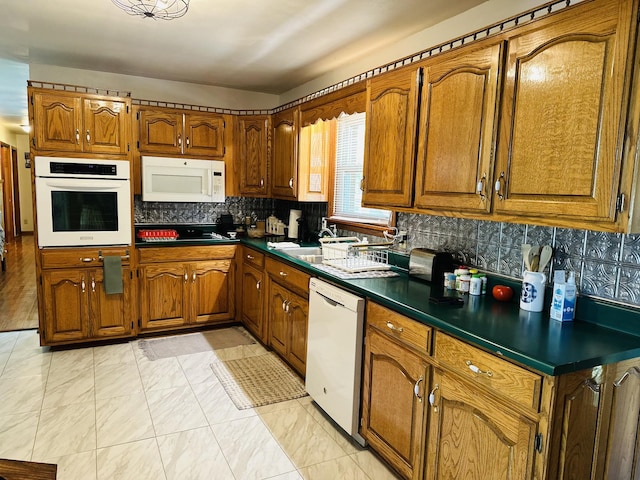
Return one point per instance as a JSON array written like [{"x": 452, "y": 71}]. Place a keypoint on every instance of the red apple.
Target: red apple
[{"x": 502, "y": 293}]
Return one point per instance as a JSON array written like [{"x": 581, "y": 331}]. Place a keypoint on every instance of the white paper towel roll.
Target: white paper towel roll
[{"x": 294, "y": 215}]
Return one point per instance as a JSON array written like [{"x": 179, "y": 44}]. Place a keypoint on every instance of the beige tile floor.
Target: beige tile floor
[{"x": 107, "y": 412}]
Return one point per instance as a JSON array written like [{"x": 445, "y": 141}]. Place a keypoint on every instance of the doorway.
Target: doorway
[{"x": 8, "y": 212}]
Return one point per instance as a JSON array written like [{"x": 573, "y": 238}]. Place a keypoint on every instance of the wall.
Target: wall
[
  {"x": 24, "y": 184},
  {"x": 483, "y": 15},
  {"x": 155, "y": 89}
]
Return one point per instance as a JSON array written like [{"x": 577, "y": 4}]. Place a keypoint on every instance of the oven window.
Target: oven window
[{"x": 84, "y": 211}]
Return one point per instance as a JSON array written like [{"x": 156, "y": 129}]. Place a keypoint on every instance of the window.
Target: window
[{"x": 349, "y": 162}]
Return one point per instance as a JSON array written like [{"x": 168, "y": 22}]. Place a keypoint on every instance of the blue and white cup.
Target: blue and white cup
[{"x": 532, "y": 296}]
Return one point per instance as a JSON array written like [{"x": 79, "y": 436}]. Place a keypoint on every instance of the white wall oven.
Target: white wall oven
[{"x": 82, "y": 202}]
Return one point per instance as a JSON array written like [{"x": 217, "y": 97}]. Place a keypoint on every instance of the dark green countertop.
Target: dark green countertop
[{"x": 531, "y": 339}]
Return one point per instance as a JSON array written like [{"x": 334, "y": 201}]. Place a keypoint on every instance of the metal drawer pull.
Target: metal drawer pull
[
  {"x": 393, "y": 328},
  {"x": 126, "y": 256},
  {"x": 283, "y": 274},
  {"x": 250, "y": 257},
  {"x": 432, "y": 398},
  {"x": 477, "y": 371},
  {"x": 416, "y": 388},
  {"x": 87, "y": 259}
]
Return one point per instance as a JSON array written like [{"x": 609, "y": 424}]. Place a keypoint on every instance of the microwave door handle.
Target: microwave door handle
[{"x": 210, "y": 183}]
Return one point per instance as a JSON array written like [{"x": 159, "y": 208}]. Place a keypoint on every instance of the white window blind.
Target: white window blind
[{"x": 347, "y": 198}]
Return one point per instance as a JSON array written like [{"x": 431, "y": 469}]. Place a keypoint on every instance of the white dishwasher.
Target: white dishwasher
[{"x": 334, "y": 353}]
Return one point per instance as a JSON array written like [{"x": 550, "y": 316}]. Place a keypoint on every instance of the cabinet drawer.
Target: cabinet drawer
[
  {"x": 288, "y": 276},
  {"x": 253, "y": 257},
  {"x": 407, "y": 330},
  {"x": 507, "y": 379},
  {"x": 180, "y": 254},
  {"x": 80, "y": 257}
]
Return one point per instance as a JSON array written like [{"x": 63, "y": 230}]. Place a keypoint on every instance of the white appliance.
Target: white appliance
[
  {"x": 82, "y": 201},
  {"x": 334, "y": 353},
  {"x": 167, "y": 179}
]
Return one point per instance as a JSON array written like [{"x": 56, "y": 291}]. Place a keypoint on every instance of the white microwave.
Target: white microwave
[
  {"x": 167, "y": 179},
  {"x": 82, "y": 201}
]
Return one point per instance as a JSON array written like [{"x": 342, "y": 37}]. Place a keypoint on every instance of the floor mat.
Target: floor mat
[
  {"x": 176, "y": 345},
  {"x": 258, "y": 380}
]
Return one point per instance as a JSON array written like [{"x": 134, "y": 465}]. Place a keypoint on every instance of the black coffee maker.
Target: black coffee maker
[{"x": 304, "y": 235}]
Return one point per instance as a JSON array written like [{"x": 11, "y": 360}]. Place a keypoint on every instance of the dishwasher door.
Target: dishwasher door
[{"x": 334, "y": 353}]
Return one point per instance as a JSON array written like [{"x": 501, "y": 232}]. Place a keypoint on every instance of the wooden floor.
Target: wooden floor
[{"x": 18, "y": 301}]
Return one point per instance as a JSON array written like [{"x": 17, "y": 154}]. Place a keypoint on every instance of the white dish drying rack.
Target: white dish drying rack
[{"x": 353, "y": 255}]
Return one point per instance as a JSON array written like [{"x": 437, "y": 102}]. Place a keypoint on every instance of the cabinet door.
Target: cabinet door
[
  {"x": 392, "y": 109},
  {"x": 277, "y": 318},
  {"x": 159, "y": 131},
  {"x": 285, "y": 159},
  {"x": 211, "y": 285},
  {"x": 164, "y": 296},
  {"x": 204, "y": 135},
  {"x": 561, "y": 129},
  {"x": 623, "y": 451},
  {"x": 314, "y": 159},
  {"x": 393, "y": 408},
  {"x": 106, "y": 126},
  {"x": 66, "y": 310},
  {"x": 472, "y": 436},
  {"x": 253, "y": 300},
  {"x": 253, "y": 147},
  {"x": 298, "y": 316},
  {"x": 456, "y": 132},
  {"x": 111, "y": 315},
  {"x": 57, "y": 122}
]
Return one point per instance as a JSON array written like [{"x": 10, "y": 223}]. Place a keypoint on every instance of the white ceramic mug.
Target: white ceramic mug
[{"x": 532, "y": 297}]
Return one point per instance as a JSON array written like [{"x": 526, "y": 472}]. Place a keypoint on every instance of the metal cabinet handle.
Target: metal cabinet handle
[
  {"x": 393, "y": 328},
  {"x": 287, "y": 307},
  {"x": 432, "y": 398},
  {"x": 633, "y": 370},
  {"x": 193, "y": 277},
  {"x": 87, "y": 259},
  {"x": 179, "y": 140},
  {"x": 480, "y": 186},
  {"x": 284, "y": 303},
  {"x": 250, "y": 257},
  {"x": 262, "y": 182},
  {"x": 283, "y": 274},
  {"x": 291, "y": 182},
  {"x": 258, "y": 285},
  {"x": 416, "y": 388},
  {"x": 498, "y": 186},
  {"x": 88, "y": 137},
  {"x": 187, "y": 142},
  {"x": 77, "y": 136},
  {"x": 186, "y": 277},
  {"x": 477, "y": 371},
  {"x": 82, "y": 284},
  {"x": 93, "y": 284}
]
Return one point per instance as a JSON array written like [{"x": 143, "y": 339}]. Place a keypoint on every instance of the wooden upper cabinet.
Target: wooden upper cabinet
[
  {"x": 315, "y": 155},
  {"x": 72, "y": 122},
  {"x": 457, "y": 131},
  {"x": 563, "y": 115},
  {"x": 204, "y": 135},
  {"x": 253, "y": 153},
  {"x": 284, "y": 181},
  {"x": 159, "y": 131},
  {"x": 176, "y": 132},
  {"x": 389, "y": 158}
]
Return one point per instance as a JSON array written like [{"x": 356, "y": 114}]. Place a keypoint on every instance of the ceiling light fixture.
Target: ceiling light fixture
[{"x": 164, "y": 9}]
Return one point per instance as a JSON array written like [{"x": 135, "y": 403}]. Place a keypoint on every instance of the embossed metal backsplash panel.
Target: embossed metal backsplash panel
[{"x": 607, "y": 265}]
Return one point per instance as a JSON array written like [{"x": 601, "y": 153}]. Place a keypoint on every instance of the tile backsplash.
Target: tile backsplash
[{"x": 607, "y": 265}]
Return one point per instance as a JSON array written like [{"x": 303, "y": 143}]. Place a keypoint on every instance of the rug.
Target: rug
[
  {"x": 258, "y": 380},
  {"x": 176, "y": 345}
]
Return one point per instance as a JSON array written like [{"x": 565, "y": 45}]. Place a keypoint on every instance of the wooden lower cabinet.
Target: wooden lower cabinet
[
  {"x": 253, "y": 300},
  {"x": 196, "y": 290},
  {"x": 76, "y": 307},
  {"x": 472, "y": 436},
  {"x": 182, "y": 294},
  {"x": 393, "y": 402},
  {"x": 287, "y": 312}
]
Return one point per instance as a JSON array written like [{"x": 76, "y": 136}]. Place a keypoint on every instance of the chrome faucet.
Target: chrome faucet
[{"x": 328, "y": 230}]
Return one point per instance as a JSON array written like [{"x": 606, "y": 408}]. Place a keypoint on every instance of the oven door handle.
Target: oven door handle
[{"x": 83, "y": 185}]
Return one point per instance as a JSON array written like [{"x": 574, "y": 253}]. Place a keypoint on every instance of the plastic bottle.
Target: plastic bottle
[
  {"x": 483, "y": 277},
  {"x": 570, "y": 297},
  {"x": 475, "y": 287}
]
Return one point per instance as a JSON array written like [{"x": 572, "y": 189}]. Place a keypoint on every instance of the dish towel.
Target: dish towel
[{"x": 112, "y": 274}]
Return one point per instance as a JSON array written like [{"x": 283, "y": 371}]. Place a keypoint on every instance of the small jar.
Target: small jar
[
  {"x": 483, "y": 277},
  {"x": 459, "y": 273},
  {"x": 475, "y": 286},
  {"x": 465, "y": 283},
  {"x": 450, "y": 281}
]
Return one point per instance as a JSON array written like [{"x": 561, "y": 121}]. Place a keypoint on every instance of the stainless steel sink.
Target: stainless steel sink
[{"x": 311, "y": 255}]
